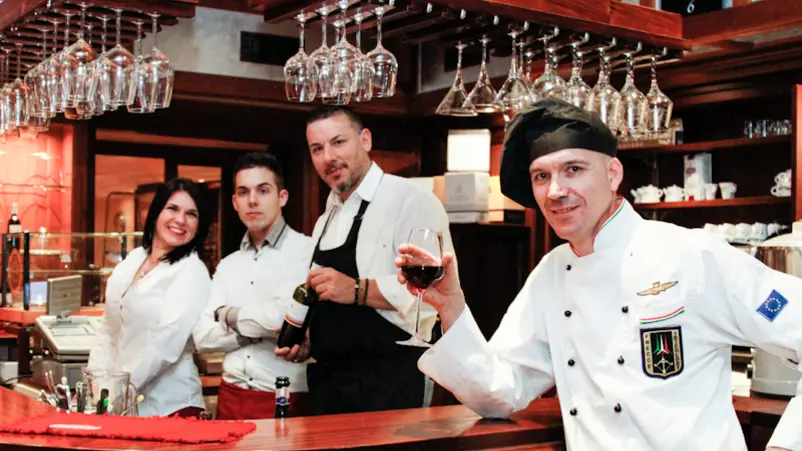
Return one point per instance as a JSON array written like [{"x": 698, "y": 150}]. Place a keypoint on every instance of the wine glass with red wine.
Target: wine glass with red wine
[{"x": 422, "y": 271}]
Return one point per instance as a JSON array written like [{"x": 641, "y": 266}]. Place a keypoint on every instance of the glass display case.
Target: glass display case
[{"x": 29, "y": 260}]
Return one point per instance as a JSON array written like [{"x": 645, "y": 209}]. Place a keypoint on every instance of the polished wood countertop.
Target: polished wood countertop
[{"x": 436, "y": 428}]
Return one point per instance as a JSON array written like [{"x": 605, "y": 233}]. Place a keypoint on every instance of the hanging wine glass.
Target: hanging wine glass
[
  {"x": 384, "y": 63},
  {"x": 300, "y": 73},
  {"x": 604, "y": 97},
  {"x": 4, "y": 112},
  {"x": 632, "y": 105},
  {"x": 84, "y": 108},
  {"x": 576, "y": 90},
  {"x": 483, "y": 95},
  {"x": 456, "y": 102},
  {"x": 142, "y": 78},
  {"x": 659, "y": 106},
  {"x": 161, "y": 71},
  {"x": 326, "y": 69},
  {"x": 66, "y": 73},
  {"x": 54, "y": 72},
  {"x": 527, "y": 58},
  {"x": 365, "y": 72},
  {"x": 18, "y": 97},
  {"x": 515, "y": 95},
  {"x": 118, "y": 64},
  {"x": 343, "y": 57},
  {"x": 79, "y": 58},
  {"x": 102, "y": 70},
  {"x": 549, "y": 85},
  {"x": 39, "y": 104}
]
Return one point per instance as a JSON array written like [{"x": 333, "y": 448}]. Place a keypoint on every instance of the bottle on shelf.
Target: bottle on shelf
[
  {"x": 282, "y": 397},
  {"x": 14, "y": 226},
  {"x": 295, "y": 324}
]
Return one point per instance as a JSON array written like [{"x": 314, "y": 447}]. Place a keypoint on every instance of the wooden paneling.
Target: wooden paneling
[
  {"x": 754, "y": 18},
  {"x": 796, "y": 161}
]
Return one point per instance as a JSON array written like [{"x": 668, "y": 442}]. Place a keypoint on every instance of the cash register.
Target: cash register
[{"x": 66, "y": 339}]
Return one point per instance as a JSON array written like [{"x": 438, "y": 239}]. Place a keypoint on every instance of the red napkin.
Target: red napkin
[{"x": 172, "y": 429}]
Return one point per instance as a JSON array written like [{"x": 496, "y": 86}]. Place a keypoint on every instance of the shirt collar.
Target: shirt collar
[
  {"x": 365, "y": 190},
  {"x": 273, "y": 236},
  {"x": 617, "y": 228}
]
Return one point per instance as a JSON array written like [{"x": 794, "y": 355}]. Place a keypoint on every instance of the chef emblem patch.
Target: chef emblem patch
[
  {"x": 661, "y": 351},
  {"x": 657, "y": 288}
]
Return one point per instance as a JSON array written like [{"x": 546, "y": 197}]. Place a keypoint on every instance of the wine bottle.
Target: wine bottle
[
  {"x": 294, "y": 328},
  {"x": 282, "y": 397},
  {"x": 14, "y": 226}
]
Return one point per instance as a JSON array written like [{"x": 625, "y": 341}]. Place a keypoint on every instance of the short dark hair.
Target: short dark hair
[
  {"x": 326, "y": 111},
  {"x": 163, "y": 193},
  {"x": 260, "y": 160}
]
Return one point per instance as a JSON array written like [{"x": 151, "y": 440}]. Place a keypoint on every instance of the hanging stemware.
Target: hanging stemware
[
  {"x": 659, "y": 106},
  {"x": 632, "y": 105},
  {"x": 365, "y": 72},
  {"x": 456, "y": 102},
  {"x": 384, "y": 62},
  {"x": 39, "y": 104},
  {"x": 18, "y": 98},
  {"x": 4, "y": 112},
  {"x": 84, "y": 108},
  {"x": 576, "y": 90},
  {"x": 549, "y": 85},
  {"x": 604, "y": 97},
  {"x": 102, "y": 69},
  {"x": 54, "y": 72},
  {"x": 515, "y": 95},
  {"x": 300, "y": 73},
  {"x": 483, "y": 95},
  {"x": 161, "y": 70},
  {"x": 322, "y": 58},
  {"x": 142, "y": 78},
  {"x": 117, "y": 67},
  {"x": 79, "y": 57},
  {"x": 343, "y": 57}
]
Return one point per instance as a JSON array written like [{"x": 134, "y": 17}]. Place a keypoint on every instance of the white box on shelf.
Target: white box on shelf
[
  {"x": 467, "y": 191},
  {"x": 698, "y": 171}
]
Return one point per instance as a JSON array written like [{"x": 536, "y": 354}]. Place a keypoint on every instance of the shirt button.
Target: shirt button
[
  {"x": 250, "y": 378},
  {"x": 248, "y": 356},
  {"x": 571, "y": 362},
  {"x": 568, "y": 267},
  {"x": 251, "y": 282},
  {"x": 617, "y": 408},
  {"x": 567, "y": 313},
  {"x": 625, "y": 309},
  {"x": 620, "y": 360},
  {"x": 572, "y": 412}
]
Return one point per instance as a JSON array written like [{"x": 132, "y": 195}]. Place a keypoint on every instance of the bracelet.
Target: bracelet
[
  {"x": 365, "y": 295},
  {"x": 356, "y": 291}
]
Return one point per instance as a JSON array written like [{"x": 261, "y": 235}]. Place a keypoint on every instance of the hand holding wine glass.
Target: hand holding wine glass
[{"x": 431, "y": 275}]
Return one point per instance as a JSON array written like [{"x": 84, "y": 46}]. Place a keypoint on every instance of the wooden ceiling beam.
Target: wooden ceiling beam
[{"x": 732, "y": 23}]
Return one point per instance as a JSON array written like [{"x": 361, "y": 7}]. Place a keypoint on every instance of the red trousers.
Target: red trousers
[{"x": 235, "y": 403}]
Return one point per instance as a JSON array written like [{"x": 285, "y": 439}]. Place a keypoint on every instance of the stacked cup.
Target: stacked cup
[{"x": 782, "y": 184}]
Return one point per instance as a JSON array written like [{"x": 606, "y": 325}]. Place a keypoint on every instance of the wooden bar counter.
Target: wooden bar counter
[{"x": 436, "y": 428}]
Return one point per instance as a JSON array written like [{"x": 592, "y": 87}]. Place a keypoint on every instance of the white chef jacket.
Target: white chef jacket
[
  {"x": 146, "y": 332},
  {"x": 397, "y": 205},
  {"x": 581, "y": 323},
  {"x": 261, "y": 284}
]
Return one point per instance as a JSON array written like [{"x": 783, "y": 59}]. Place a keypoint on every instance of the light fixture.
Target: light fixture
[{"x": 468, "y": 150}]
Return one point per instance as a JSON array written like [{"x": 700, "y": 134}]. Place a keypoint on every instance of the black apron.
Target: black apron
[{"x": 359, "y": 367}]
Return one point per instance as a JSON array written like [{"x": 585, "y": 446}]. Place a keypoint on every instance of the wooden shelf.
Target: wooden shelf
[
  {"x": 737, "y": 202},
  {"x": 708, "y": 145}
]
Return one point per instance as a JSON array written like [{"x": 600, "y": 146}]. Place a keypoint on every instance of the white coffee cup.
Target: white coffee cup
[
  {"x": 728, "y": 189},
  {"x": 780, "y": 191},
  {"x": 673, "y": 193},
  {"x": 775, "y": 228},
  {"x": 760, "y": 231},
  {"x": 743, "y": 231},
  {"x": 710, "y": 191},
  {"x": 783, "y": 179},
  {"x": 712, "y": 228}
]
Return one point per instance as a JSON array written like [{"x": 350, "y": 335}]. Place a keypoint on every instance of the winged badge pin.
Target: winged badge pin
[{"x": 657, "y": 288}]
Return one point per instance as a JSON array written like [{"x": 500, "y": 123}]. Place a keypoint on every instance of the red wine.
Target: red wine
[
  {"x": 422, "y": 276},
  {"x": 293, "y": 330}
]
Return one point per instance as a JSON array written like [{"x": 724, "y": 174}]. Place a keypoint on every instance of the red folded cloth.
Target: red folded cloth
[{"x": 172, "y": 429}]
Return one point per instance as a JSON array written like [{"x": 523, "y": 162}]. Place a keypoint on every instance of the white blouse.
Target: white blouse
[{"x": 147, "y": 329}]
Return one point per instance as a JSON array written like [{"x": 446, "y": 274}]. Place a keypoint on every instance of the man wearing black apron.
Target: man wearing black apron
[{"x": 363, "y": 310}]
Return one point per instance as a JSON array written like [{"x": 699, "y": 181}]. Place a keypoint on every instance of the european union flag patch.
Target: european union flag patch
[{"x": 774, "y": 304}]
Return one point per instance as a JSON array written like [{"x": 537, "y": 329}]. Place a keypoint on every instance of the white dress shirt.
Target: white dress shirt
[
  {"x": 261, "y": 284},
  {"x": 592, "y": 325},
  {"x": 146, "y": 331},
  {"x": 396, "y": 207}
]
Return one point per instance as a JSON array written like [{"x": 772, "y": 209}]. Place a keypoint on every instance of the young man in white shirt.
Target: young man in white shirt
[
  {"x": 251, "y": 292},
  {"x": 363, "y": 310}
]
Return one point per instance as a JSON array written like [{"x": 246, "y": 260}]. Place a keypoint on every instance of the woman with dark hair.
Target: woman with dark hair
[{"x": 154, "y": 298}]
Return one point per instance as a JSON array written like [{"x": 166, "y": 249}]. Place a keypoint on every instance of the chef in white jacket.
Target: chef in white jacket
[
  {"x": 633, "y": 320},
  {"x": 154, "y": 298}
]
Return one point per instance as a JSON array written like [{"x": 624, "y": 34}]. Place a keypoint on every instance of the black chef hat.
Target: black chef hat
[{"x": 548, "y": 126}]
